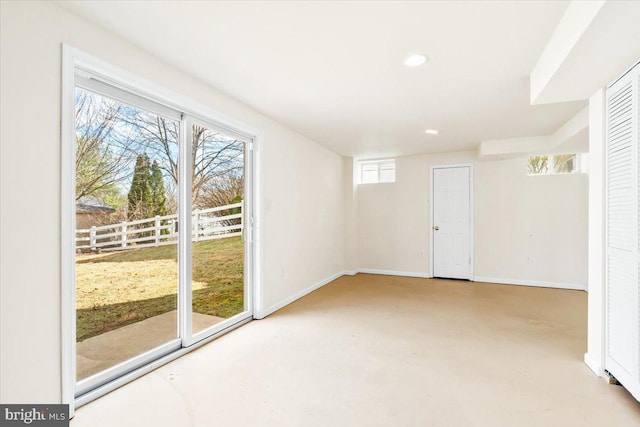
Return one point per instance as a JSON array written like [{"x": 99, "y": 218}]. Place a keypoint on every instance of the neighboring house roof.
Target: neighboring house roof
[{"x": 91, "y": 204}]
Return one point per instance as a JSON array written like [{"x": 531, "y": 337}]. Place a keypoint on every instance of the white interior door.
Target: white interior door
[{"x": 452, "y": 222}]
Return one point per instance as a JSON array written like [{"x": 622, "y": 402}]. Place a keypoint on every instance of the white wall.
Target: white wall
[
  {"x": 531, "y": 229},
  {"x": 393, "y": 218},
  {"x": 301, "y": 187}
]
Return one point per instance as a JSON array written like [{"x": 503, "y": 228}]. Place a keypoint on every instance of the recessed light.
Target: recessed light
[
  {"x": 432, "y": 131},
  {"x": 415, "y": 60}
]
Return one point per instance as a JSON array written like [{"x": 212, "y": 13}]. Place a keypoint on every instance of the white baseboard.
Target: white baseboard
[
  {"x": 272, "y": 309},
  {"x": 393, "y": 273},
  {"x": 593, "y": 365},
  {"x": 556, "y": 285},
  {"x": 264, "y": 313}
]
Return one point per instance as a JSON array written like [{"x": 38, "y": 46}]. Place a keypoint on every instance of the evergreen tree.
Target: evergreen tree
[
  {"x": 158, "y": 194},
  {"x": 140, "y": 199},
  {"x": 235, "y": 211}
]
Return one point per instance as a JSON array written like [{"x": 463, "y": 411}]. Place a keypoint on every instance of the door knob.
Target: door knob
[{"x": 436, "y": 228}]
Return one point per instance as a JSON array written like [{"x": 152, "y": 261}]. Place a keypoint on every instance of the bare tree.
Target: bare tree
[
  {"x": 213, "y": 155},
  {"x": 111, "y": 135},
  {"x": 102, "y": 150},
  {"x": 221, "y": 191}
]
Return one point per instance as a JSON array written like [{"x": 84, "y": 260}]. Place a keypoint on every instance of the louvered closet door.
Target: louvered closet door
[{"x": 622, "y": 231}]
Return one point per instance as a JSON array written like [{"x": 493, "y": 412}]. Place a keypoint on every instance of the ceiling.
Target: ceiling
[
  {"x": 607, "y": 46},
  {"x": 334, "y": 72}
]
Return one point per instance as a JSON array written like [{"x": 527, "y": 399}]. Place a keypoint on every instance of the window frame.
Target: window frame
[
  {"x": 551, "y": 164},
  {"x": 378, "y": 163}
]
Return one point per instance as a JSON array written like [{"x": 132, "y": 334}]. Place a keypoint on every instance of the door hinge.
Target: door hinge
[{"x": 250, "y": 145}]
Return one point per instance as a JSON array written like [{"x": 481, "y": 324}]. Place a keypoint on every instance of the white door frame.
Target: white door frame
[
  {"x": 471, "y": 209},
  {"x": 72, "y": 60}
]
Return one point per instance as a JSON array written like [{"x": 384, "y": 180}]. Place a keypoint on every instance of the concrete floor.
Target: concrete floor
[
  {"x": 386, "y": 351},
  {"x": 103, "y": 351}
]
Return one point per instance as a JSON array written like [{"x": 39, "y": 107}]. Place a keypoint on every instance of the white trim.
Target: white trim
[
  {"x": 256, "y": 232},
  {"x": 472, "y": 220},
  {"x": 185, "y": 277},
  {"x": 272, "y": 309},
  {"x": 593, "y": 365},
  {"x": 431, "y": 221},
  {"x": 538, "y": 284},
  {"x": 471, "y": 217},
  {"x": 394, "y": 273},
  {"x": 67, "y": 231},
  {"x": 247, "y": 225}
]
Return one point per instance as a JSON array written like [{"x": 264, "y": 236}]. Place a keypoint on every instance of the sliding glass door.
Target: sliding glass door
[
  {"x": 163, "y": 208},
  {"x": 217, "y": 202}
]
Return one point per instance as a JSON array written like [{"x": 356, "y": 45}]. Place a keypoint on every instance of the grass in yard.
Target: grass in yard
[{"x": 117, "y": 289}]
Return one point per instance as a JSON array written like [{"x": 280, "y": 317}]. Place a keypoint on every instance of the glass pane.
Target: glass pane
[
  {"x": 126, "y": 231},
  {"x": 538, "y": 165},
  {"x": 218, "y": 251},
  {"x": 388, "y": 172},
  {"x": 369, "y": 173},
  {"x": 564, "y": 163}
]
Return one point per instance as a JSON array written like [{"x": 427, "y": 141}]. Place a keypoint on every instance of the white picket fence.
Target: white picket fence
[{"x": 206, "y": 224}]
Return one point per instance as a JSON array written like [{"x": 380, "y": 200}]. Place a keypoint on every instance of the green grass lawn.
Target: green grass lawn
[{"x": 120, "y": 288}]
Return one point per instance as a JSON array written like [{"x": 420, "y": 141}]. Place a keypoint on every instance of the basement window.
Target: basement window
[
  {"x": 556, "y": 164},
  {"x": 377, "y": 171}
]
